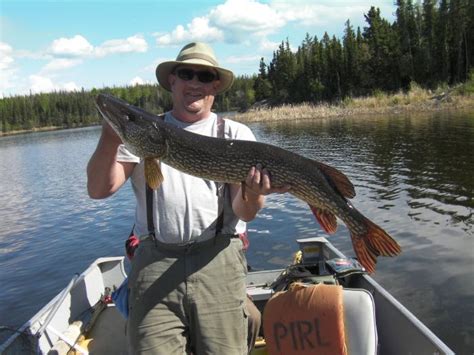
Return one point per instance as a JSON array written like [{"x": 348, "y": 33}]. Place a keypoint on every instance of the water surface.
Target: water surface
[{"x": 413, "y": 176}]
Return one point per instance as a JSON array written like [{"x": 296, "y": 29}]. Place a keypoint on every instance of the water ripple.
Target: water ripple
[{"x": 413, "y": 176}]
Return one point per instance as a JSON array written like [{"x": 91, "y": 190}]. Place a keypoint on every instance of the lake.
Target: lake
[{"x": 413, "y": 176}]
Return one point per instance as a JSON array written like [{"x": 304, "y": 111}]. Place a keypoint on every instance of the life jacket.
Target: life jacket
[{"x": 305, "y": 320}]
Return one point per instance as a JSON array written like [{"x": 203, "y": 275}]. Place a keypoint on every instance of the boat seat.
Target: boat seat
[
  {"x": 359, "y": 322},
  {"x": 310, "y": 319}
]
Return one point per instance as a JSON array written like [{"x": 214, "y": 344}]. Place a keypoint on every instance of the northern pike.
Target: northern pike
[{"x": 323, "y": 187}]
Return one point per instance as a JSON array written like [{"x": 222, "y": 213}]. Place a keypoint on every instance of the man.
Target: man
[{"x": 187, "y": 283}]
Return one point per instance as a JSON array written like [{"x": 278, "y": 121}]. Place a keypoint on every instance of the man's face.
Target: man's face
[{"x": 193, "y": 88}]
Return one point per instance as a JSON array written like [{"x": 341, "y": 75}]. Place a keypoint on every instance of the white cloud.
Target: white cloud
[
  {"x": 76, "y": 46},
  {"x": 234, "y": 21},
  {"x": 59, "y": 64},
  {"x": 250, "y": 21},
  {"x": 198, "y": 30},
  {"x": 240, "y": 18},
  {"x": 70, "y": 52},
  {"x": 7, "y": 69},
  {"x": 308, "y": 14},
  {"x": 63, "y": 53},
  {"x": 136, "y": 81},
  {"x": 131, "y": 44},
  {"x": 268, "y": 46},
  {"x": 6, "y": 59},
  {"x": 317, "y": 13},
  {"x": 39, "y": 83},
  {"x": 70, "y": 86}
]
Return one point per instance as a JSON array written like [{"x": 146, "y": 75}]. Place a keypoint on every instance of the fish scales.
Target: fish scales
[
  {"x": 324, "y": 188},
  {"x": 230, "y": 160}
]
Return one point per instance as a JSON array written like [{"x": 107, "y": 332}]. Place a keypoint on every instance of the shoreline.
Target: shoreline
[
  {"x": 392, "y": 105},
  {"x": 413, "y": 102},
  {"x": 42, "y": 129}
]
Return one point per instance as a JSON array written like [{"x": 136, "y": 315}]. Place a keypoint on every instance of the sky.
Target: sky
[{"x": 52, "y": 45}]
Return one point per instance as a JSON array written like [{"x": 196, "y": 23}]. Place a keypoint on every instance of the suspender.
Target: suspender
[
  {"x": 149, "y": 210},
  {"x": 219, "y": 186}
]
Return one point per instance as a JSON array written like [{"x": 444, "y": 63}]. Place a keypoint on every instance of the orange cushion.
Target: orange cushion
[{"x": 305, "y": 320}]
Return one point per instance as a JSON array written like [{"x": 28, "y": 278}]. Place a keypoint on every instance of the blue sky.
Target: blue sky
[{"x": 48, "y": 45}]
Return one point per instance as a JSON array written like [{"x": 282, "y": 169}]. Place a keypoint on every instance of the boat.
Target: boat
[{"x": 83, "y": 319}]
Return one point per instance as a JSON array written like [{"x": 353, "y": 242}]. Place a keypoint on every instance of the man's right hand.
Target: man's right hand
[{"x": 105, "y": 175}]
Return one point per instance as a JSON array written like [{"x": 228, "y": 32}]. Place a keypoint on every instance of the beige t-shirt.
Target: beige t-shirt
[{"x": 185, "y": 207}]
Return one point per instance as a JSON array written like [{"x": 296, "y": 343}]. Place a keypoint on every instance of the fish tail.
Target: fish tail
[{"x": 373, "y": 243}]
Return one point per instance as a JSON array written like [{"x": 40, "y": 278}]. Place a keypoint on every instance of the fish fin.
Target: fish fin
[
  {"x": 374, "y": 242},
  {"x": 339, "y": 179},
  {"x": 243, "y": 188},
  {"x": 326, "y": 219},
  {"x": 153, "y": 174},
  {"x": 365, "y": 255}
]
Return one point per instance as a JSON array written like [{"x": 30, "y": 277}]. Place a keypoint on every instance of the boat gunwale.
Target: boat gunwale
[{"x": 35, "y": 321}]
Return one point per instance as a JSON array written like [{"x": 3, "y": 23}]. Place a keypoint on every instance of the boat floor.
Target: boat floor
[{"x": 107, "y": 336}]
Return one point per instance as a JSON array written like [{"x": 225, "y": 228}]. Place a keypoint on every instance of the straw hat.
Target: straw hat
[{"x": 196, "y": 53}]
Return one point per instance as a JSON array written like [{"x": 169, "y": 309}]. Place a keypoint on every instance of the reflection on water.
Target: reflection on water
[{"x": 413, "y": 176}]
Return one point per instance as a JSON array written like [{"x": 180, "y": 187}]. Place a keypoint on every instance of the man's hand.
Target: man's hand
[
  {"x": 258, "y": 182},
  {"x": 249, "y": 198},
  {"x": 105, "y": 175}
]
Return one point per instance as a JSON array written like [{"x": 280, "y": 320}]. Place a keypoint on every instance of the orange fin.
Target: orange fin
[
  {"x": 326, "y": 219},
  {"x": 373, "y": 243},
  {"x": 380, "y": 241},
  {"x": 340, "y": 181},
  {"x": 365, "y": 255},
  {"x": 153, "y": 174}
]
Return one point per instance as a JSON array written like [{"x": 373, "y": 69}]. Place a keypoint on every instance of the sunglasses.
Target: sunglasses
[{"x": 204, "y": 76}]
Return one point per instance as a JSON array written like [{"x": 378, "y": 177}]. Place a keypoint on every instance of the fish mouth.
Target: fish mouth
[
  {"x": 116, "y": 112},
  {"x": 125, "y": 119}
]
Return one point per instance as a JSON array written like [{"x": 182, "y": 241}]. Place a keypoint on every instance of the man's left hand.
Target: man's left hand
[{"x": 258, "y": 182}]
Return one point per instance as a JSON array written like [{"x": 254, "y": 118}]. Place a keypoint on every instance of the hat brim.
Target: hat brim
[{"x": 163, "y": 70}]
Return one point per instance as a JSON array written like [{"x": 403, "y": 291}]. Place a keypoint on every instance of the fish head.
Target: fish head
[{"x": 139, "y": 130}]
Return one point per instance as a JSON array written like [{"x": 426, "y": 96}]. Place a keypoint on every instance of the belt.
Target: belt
[{"x": 193, "y": 244}]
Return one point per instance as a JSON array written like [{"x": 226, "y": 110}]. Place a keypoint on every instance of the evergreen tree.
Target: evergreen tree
[
  {"x": 428, "y": 43},
  {"x": 441, "y": 43},
  {"x": 458, "y": 24},
  {"x": 262, "y": 86},
  {"x": 284, "y": 72},
  {"x": 384, "y": 53},
  {"x": 404, "y": 28},
  {"x": 351, "y": 64},
  {"x": 470, "y": 34}
]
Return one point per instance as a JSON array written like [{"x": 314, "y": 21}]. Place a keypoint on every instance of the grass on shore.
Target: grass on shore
[{"x": 415, "y": 100}]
